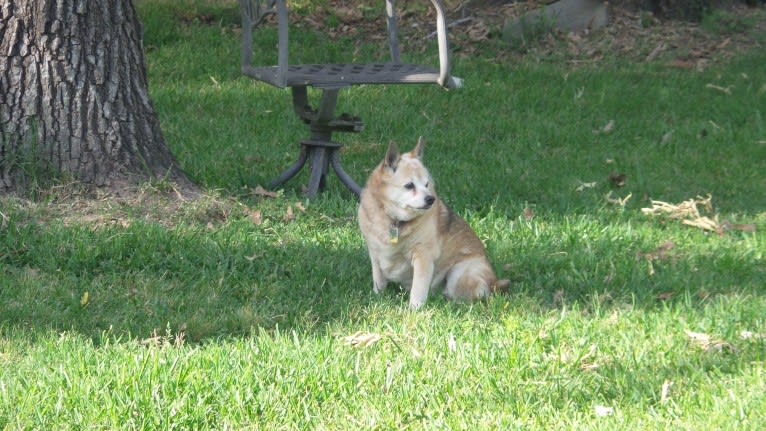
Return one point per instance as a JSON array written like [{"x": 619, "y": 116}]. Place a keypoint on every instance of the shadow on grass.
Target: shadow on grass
[
  {"x": 238, "y": 278},
  {"x": 145, "y": 280}
]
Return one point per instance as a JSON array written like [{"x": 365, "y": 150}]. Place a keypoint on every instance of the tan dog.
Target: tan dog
[{"x": 414, "y": 239}]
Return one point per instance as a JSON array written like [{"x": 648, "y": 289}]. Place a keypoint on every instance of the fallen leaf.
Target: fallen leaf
[
  {"x": 618, "y": 180},
  {"x": 750, "y": 335},
  {"x": 698, "y": 337},
  {"x": 704, "y": 223},
  {"x": 613, "y": 318},
  {"x": 726, "y": 90},
  {"x": 665, "y": 391},
  {"x": 652, "y": 55},
  {"x": 603, "y": 411},
  {"x": 584, "y": 186},
  {"x": 618, "y": 200},
  {"x": 256, "y": 217},
  {"x": 684, "y": 210},
  {"x": 362, "y": 339},
  {"x": 478, "y": 31},
  {"x": 749, "y": 227},
  {"x": 651, "y": 267},
  {"x": 721, "y": 346},
  {"x": 300, "y": 207},
  {"x": 660, "y": 252},
  {"x": 348, "y": 15},
  {"x": 608, "y": 127},
  {"x": 289, "y": 215},
  {"x": 84, "y": 299},
  {"x": 586, "y": 365},
  {"x": 260, "y": 191},
  {"x": 708, "y": 343},
  {"x": 664, "y": 296},
  {"x": 528, "y": 213},
  {"x": 558, "y": 297},
  {"x": 682, "y": 64}
]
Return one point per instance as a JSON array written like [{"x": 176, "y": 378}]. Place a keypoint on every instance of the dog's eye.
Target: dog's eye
[{"x": 409, "y": 186}]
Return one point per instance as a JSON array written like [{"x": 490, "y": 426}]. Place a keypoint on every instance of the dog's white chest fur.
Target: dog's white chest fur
[
  {"x": 395, "y": 248},
  {"x": 395, "y": 260}
]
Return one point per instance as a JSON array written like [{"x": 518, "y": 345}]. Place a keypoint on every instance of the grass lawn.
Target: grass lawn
[{"x": 244, "y": 311}]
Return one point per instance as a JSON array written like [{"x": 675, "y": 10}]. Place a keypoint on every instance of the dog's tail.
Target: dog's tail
[{"x": 500, "y": 286}]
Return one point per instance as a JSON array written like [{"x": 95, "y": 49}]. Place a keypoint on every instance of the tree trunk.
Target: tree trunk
[{"x": 74, "y": 99}]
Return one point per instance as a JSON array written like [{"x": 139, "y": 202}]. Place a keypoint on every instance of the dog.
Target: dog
[{"x": 414, "y": 239}]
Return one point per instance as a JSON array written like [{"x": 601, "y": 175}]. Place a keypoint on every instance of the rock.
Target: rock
[{"x": 565, "y": 15}]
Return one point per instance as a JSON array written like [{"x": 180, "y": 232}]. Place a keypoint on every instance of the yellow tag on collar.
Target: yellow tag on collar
[{"x": 393, "y": 235}]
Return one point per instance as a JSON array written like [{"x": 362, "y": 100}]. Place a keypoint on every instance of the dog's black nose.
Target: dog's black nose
[{"x": 430, "y": 200}]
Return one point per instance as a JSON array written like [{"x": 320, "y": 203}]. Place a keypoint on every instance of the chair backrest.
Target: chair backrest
[{"x": 280, "y": 75}]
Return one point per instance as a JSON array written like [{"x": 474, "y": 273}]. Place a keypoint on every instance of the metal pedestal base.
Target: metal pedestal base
[
  {"x": 322, "y": 156},
  {"x": 320, "y": 151}
]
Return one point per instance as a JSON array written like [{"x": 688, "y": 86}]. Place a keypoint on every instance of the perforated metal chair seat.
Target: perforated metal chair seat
[
  {"x": 340, "y": 75},
  {"x": 320, "y": 151}
]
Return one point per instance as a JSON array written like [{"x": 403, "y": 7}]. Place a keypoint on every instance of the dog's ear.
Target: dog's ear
[
  {"x": 392, "y": 157},
  {"x": 418, "y": 150}
]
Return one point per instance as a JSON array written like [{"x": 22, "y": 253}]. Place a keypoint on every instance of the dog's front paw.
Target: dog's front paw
[
  {"x": 378, "y": 288},
  {"x": 416, "y": 304}
]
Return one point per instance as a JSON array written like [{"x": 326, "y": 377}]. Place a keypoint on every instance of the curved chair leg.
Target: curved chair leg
[
  {"x": 344, "y": 177},
  {"x": 319, "y": 151},
  {"x": 318, "y": 166},
  {"x": 292, "y": 170}
]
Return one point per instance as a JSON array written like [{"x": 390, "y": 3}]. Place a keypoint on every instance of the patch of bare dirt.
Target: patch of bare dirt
[
  {"x": 476, "y": 28},
  {"x": 80, "y": 204}
]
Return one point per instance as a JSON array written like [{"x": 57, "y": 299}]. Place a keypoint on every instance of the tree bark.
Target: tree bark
[{"x": 74, "y": 97}]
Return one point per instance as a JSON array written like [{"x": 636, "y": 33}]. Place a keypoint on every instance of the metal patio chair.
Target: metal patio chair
[{"x": 319, "y": 149}]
